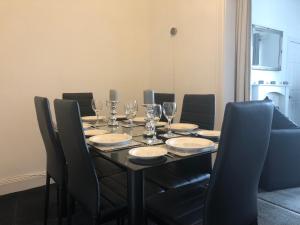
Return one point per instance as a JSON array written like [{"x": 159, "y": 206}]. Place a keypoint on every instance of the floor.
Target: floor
[{"x": 26, "y": 208}]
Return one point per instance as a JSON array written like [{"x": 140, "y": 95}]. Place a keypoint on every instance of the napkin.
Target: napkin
[{"x": 111, "y": 148}]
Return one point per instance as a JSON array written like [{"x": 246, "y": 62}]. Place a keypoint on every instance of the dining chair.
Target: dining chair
[
  {"x": 283, "y": 155},
  {"x": 199, "y": 109},
  {"x": 84, "y": 100},
  {"x": 231, "y": 196},
  {"x": 98, "y": 198},
  {"x": 56, "y": 166},
  {"x": 160, "y": 98}
]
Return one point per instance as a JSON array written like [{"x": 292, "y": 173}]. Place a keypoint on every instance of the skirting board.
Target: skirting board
[{"x": 21, "y": 182}]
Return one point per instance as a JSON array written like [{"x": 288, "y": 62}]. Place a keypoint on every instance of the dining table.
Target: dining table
[{"x": 135, "y": 170}]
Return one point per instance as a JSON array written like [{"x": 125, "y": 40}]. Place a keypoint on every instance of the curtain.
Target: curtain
[{"x": 243, "y": 50}]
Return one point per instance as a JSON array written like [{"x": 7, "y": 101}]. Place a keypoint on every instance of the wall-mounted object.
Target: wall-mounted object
[
  {"x": 266, "y": 48},
  {"x": 173, "y": 31}
]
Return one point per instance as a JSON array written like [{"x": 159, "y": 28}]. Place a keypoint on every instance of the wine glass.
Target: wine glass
[
  {"x": 97, "y": 106},
  {"x": 169, "y": 110},
  {"x": 131, "y": 109},
  {"x": 156, "y": 113}
]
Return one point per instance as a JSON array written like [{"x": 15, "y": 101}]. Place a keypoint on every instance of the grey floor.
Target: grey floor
[
  {"x": 26, "y": 208},
  {"x": 279, "y": 207}
]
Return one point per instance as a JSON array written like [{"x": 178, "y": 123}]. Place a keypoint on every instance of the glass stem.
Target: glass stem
[
  {"x": 97, "y": 122},
  {"x": 169, "y": 126}
]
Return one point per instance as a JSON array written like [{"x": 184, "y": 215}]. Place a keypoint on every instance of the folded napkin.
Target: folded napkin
[{"x": 111, "y": 148}]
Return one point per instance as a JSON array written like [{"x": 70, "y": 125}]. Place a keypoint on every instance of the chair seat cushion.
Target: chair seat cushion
[
  {"x": 180, "y": 206},
  {"x": 181, "y": 173},
  {"x": 105, "y": 168},
  {"x": 113, "y": 191},
  {"x": 150, "y": 187},
  {"x": 280, "y": 121},
  {"x": 113, "y": 199}
]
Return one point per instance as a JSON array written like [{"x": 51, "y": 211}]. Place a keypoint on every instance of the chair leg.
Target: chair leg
[
  {"x": 254, "y": 223},
  {"x": 59, "y": 204},
  {"x": 94, "y": 221},
  {"x": 70, "y": 209},
  {"x": 47, "y": 198},
  {"x": 64, "y": 200},
  {"x": 122, "y": 221}
]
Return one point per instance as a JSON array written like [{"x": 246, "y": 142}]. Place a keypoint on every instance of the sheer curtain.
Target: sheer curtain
[{"x": 243, "y": 50}]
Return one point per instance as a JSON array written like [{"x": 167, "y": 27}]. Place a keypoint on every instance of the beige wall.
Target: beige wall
[
  {"x": 48, "y": 48},
  {"x": 191, "y": 61}
]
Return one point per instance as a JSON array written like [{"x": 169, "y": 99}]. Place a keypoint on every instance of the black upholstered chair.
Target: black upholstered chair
[
  {"x": 56, "y": 166},
  {"x": 231, "y": 197},
  {"x": 84, "y": 100},
  {"x": 282, "y": 162},
  {"x": 103, "y": 167},
  {"x": 99, "y": 198},
  {"x": 200, "y": 110},
  {"x": 160, "y": 98}
]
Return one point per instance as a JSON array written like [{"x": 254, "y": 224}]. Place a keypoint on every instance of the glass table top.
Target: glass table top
[{"x": 123, "y": 159}]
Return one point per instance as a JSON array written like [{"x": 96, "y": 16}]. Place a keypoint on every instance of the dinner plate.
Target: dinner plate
[
  {"x": 86, "y": 125},
  {"x": 139, "y": 120},
  {"x": 209, "y": 133},
  {"x": 148, "y": 152},
  {"x": 189, "y": 143},
  {"x": 94, "y": 132},
  {"x": 110, "y": 139},
  {"x": 183, "y": 127},
  {"x": 91, "y": 118}
]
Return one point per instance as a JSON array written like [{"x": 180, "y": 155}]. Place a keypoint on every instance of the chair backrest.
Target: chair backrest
[
  {"x": 232, "y": 192},
  {"x": 280, "y": 121},
  {"x": 160, "y": 98},
  {"x": 84, "y": 100},
  {"x": 83, "y": 184},
  {"x": 200, "y": 110},
  {"x": 55, "y": 157}
]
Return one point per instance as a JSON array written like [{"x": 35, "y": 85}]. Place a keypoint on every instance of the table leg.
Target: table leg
[{"x": 135, "y": 195}]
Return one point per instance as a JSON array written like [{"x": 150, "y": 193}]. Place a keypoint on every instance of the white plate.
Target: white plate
[
  {"x": 86, "y": 125},
  {"x": 91, "y": 118},
  {"x": 183, "y": 127},
  {"x": 94, "y": 132},
  {"x": 110, "y": 139},
  {"x": 189, "y": 143},
  {"x": 148, "y": 152},
  {"x": 139, "y": 120},
  {"x": 209, "y": 133}
]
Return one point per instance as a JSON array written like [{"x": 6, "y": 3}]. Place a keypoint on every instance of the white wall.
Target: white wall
[
  {"x": 280, "y": 15},
  {"x": 48, "y": 48}
]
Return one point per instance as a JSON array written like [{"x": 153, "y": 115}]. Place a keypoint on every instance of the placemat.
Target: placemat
[{"x": 131, "y": 144}]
